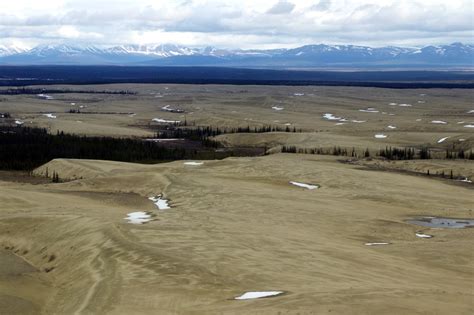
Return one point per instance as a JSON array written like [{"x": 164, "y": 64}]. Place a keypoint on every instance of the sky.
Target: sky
[{"x": 234, "y": 24}]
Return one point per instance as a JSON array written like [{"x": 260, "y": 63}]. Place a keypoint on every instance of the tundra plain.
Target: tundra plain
[{"x": 238, "y": 225}]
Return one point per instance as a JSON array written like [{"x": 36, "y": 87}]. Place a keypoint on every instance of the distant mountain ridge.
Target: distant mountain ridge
[{"x": 321, "y": 55}]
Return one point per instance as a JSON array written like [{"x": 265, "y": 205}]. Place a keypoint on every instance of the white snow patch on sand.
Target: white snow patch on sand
[
  {"x": 419, "y": 119},
  {"x": 438, "y": 122},
  {"x": 461, "y": 140},
  {"x": 391, "y": 127},
  {"x": 193, "y": 163},
  {"x": 338, "y": 124},
  {"x": 404, "y": 105},
  {"x": 377, "y": 243},
  {"x": 277, "y": 108},
  {"x": 139, "y": 217},
  {"x": 358, "y": 121},
  {"x": 160, "y": 203},
  {"x": 303, "y": 185},
  {"x": 50, "y": 116},
  {"x": 393, "y": 104},
  {"x": 329, "y": 116},
  {"x": 164, "y": 139},
  {"x": 258, "y": 295},
  {"x": 380, "y": 136},
  {"x": 442, "y": 139},
  {"x": 298, "y": 94},
  {"x": 465, "y": 180},
  {"x": 469, "y": 126},
  {"x": 471, "y": 111},
  {"x": 159, "y": 120},
  {"x": 19, "y": 122},
  {"x": 369, "y": 110},
  {"x": 45, "y": 96},
  {"x": 72, "y": 104},
  {"x": 421, "y": 102},
  {"x": 421, "y": 235}
]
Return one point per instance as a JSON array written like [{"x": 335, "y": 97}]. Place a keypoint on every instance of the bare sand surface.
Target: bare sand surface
[{"x": 238, "y": 225}]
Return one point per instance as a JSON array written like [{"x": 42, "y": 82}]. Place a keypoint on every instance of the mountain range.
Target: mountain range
[{"x": 456, "y": 55}]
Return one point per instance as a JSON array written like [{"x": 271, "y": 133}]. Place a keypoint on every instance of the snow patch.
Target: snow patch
[
  {"x": 277, "y": 108},
  {"x": 377, "y": 243},
  {"x": 258, "y": 295},
  {"x": 139, "y": 217},
  {"x": 50, "y": 116},
  {"x": 193, "y": 163},
  {"x": 421, "y": 235},
  {"x": 45, "y": 96},
  {"x": 438, "y": 122},
  {"x": 369, "y": 110},
  {"x": 442, "y": 139},
  {"x": 160, "y": 203},
  {"x": 391, "y": 127},
  {"x": 303, "y": 185},
  {"x": 164, "y": 139},
  {"x": 380, "y": 136},
  {"x": 469, "y": 126},
  {"x": 329, "y": 116},
  {"x": 19, "y": 122},
  {"x": 159, "y": 120}
]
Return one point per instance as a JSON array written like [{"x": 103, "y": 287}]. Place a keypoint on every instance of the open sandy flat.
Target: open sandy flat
[
  {"x": 411, "y": 111},
  {"x": 235, "y": 225}
]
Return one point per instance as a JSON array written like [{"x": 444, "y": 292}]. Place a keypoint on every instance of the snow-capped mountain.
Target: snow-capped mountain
[
  {"x": 11, "y": 50},
  {"x": 454, "y": 55},
  {"x": 154, "y": 50}
]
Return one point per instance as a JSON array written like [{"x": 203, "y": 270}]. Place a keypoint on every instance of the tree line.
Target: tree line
[
  {"x": 25, "y": 148},
  {"x": 34, "y": 91},
  {"x": 388, "y": 153},
  {"x": 180, "y": 130}
]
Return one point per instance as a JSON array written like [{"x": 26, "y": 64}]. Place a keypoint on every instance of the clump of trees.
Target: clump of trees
[
  {"x": 338, "y": 151},
  {"x": 25, "y": 148},
  {"x": 459, "y": 154}
]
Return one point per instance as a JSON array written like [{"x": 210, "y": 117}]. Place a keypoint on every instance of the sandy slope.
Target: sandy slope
[{"x": 237, "y": 225}]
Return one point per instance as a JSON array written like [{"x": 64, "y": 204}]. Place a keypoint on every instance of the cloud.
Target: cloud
[
  {"x": 237, "y": 23},
  {"x": 281, "y": 7},
  {"x": 322, "y": 5}
]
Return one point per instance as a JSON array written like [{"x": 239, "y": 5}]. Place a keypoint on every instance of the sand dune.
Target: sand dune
[{"x": 236, "y": 226}]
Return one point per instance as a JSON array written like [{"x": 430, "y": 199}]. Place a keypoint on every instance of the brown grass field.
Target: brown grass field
[{"x": 238, "y": 225}]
